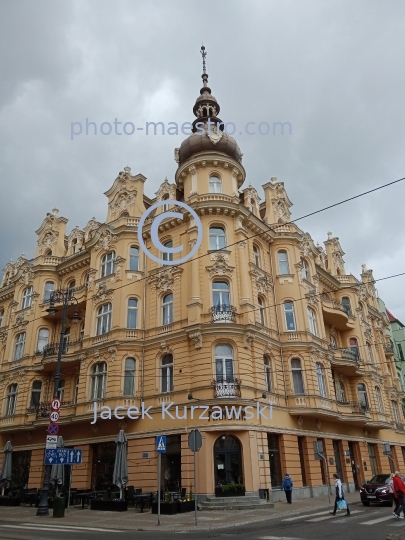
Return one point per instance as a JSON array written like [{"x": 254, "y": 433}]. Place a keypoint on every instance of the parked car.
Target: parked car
[{"x": 376, "y": 490}]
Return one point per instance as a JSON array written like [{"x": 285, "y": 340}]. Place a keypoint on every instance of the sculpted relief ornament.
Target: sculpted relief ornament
[
  {"x": 123, "y": 200},
  {"x": 166, "y": 189},
  {"x": 90, "y": 228},
  {"x": 106, "y": 240},
  {"x": 220, "y": 267},
  {"x": 197, "y": 338},
  {"x": 102, "y": 292},
  {"x": 164, "y": 281}
]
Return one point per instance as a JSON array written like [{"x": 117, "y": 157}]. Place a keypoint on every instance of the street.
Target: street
[{"x": 372, "y": 523}]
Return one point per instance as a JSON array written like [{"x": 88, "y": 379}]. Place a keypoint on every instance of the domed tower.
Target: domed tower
[{"x": 210, "y": 160}]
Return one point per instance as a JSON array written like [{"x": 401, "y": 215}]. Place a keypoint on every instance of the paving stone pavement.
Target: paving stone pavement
[{"x": 135, "y": 520}]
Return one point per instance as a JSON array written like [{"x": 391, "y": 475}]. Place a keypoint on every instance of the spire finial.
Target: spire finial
[{"x": 204, "y": 76}]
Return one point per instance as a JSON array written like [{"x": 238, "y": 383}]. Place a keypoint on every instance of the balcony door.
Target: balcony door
[
  {"x": 224, "y": 372},
  {"x": 227, "y": 461}
]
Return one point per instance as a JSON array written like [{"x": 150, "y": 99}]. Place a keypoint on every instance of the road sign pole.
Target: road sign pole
[
  {"x": 195, "y": 480},
  {"x": 159, "y": 476}
]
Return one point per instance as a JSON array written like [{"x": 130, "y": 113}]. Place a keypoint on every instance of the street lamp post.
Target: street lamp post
[{"x": 67, "y": 299}]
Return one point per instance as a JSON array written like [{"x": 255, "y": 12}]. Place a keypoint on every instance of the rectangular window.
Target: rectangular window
[{"x": 289, "y": 316}]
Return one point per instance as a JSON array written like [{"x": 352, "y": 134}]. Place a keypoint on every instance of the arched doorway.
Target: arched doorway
[{"x": 227, "y": 461}]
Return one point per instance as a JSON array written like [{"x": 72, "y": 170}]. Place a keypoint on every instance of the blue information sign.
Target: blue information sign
[
  {"x": 161, "y": 444},
  {"x": 63, "y": 456}
]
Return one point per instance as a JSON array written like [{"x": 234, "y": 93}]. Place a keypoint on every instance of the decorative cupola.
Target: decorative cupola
[
  {"x": 125, "y": 197},
  {"x": 334, "y": 253},
  {"x": 277, "y": 202},
  {"x": 51, "y": 236}
]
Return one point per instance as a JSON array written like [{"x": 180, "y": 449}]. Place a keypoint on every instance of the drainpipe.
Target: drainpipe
[
  {"x": 278, "y": 326},
  {"x": 143, "y": 328}
]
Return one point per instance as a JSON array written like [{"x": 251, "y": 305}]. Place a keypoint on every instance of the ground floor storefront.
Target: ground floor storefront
[{"x": 256, "y": 458}]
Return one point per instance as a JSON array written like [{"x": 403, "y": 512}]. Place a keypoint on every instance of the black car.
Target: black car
[{"x": 376, "y": 490}]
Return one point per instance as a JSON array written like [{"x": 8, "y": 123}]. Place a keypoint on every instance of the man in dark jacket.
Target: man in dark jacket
[{"x": 287, "y": 486}]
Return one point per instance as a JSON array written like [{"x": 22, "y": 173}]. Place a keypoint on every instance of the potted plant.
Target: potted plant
[
  {"x": 167, "y": 507},
  {"x": 230, "y": 490}
]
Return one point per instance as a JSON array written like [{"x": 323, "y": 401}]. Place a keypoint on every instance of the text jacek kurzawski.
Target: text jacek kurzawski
[{"x": 183, "y": 412}]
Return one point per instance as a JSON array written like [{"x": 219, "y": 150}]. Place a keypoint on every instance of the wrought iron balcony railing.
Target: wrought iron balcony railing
[
  {"x": 359, "y": 407},
  {"x": 44, "y": 408},
  {"x": 52, "y": 348},
  {"x": 350, "y": 354},
  {"x": 223, "y": 313},
  {"x": 226, "y": 387}
]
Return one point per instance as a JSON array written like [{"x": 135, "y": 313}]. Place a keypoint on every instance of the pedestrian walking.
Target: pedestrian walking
[
  {"x": 399, "y": 493},
  {"x": 340, "y": 496},
  {"x": 287, "y": 486},
  {"x": 394, "y": 498}
]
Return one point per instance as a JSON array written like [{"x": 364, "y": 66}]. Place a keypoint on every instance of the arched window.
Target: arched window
[
  {"x": 395, "y": 412},
  {"x": 165, "y": 207},
  {"x": 61, "y": 390},
  {"x": 332, "y": 341},
  {"x": 129, "y": 377},
  {"x": 262, "y": 311},
  {"x": 98, "y": 381},
  {"x": 346, "y": 306},
  {"x": 74, "y": 245},
  {"x": 256, "y": 256},
  {"x": 362, "y": 393},
  {"x": 167, "y": 373},
  {"x": 354, "y": 346},
  {"x": 81, "y": 333},
  {"x": 167, "y": 309},
  {"x": 224, "y": 364},
  {"x": 283, "y": 267},
  {"x": 11, "y": 400},
  {"x": 304, "y": 270},
  {"x": 267, "y": 373},
  {"x": 253, "y": 206},
  {"x": 289, "y": 316},
  {"x": 321, "y": 379},
  {"x": 312, "y": 322},
  {"x": 167, "y": 256},
  {"x": 1, "y": 317},
  {"x": 298, "y": 381},
  {"x": 49, "y": 289},
  {"x": 27, "y": 298},
  {"x": 36, "y": 394},
  {"x": 340, "y": 391},
  {"x": 132, "y": 314},
  {"x": 43, "y": 338},
  {"x": 19, "y": 346},
  {"x": 134, "y": 258},
  {"x": 71, "y": 288},
  {"x": 217, "y": 238},
  {"x": 107, "y": 264},
  {"x": 369, "y": 353},
  {"x": 220, "y": 294},
  {"x": 104, "y": 319},
  {"x": 215, "y": 184},
  {"x": 48, "y": 253},
  {"x": 65, "y": 342},
  {"x": 379, "y": 400}
]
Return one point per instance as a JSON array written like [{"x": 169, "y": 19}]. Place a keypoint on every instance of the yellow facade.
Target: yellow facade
[{"x": 210, "y": 332}]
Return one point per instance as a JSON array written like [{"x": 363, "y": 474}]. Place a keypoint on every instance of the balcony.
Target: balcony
[
  {"x": 347, "y": 360},
  {"x": 52, "y": 348},
  {"x": 336, "y": 314},
  {"x": 226, "y": 387},
  {"x": 44, "y": 408},
  {"x": 223, "y": 313}
]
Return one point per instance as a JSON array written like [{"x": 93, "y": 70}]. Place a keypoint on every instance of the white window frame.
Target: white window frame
[
  {"x": 369, "y": 353},
  {"x": 297, "y": 377},
  {"x": 107, "y": 266},
  {"x": 36, "y": 392},
  {"x": 267, "y": 374},
  {"x": 167, "y": 309},
  {"x": 129, "y": 378},
  {"x": 98, "y": 381},
  {"x": 217, "y": 239},
  {"x": 262, "y": 310},
  {"x": 1, "y": 317},
  {"x": 134, "y": 258},
  {"x": 321, "y": 380},
  {"x": 215, "y": 184},
  {"x": 378, "y": 399},
  {"x": 304, "y": 269},
  {"x": 221, "y": 294},
  {"x": 132, "y": 313},
  {"x": 283, "y": 264},
  {"x": 103, "y": 324},
  {"x": 256, "y": 256},
  {"x": 42, "y": 339},
  {"x": 167, "y": 256},
  {"x": 27, "y": 297},
  {"x": 49, "y": 288},
  {"x": 288, "y": 311},
  {"x": 11, "y": 400},
  {"x": 312, "y": 321},
  {"x": 19, "y": 345},
  {"x": 166, "y": 370}
]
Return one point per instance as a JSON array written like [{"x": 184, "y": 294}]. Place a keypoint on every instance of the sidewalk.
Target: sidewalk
[{"x": 134, "y": 520}]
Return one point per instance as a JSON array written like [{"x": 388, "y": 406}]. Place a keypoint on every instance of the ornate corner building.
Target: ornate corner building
[{"x": 261, "y": 340}]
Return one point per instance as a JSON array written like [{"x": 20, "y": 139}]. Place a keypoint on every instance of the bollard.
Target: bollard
[{"x": 59, "y": 506}]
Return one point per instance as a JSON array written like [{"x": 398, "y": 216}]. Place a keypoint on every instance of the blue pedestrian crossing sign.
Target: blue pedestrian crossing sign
[
  {"x": 63, "y": 456},
  {"x": 161, "y": 444}
]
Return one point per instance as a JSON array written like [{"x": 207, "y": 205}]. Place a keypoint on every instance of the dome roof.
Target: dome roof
[{"x": 201, "y": 142}]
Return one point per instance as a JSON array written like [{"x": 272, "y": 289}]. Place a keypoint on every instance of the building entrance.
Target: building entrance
[{"x": 227, "y": 461}]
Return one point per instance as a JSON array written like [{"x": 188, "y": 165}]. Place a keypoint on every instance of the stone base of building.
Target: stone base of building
[{"x": 276, "y": 495}]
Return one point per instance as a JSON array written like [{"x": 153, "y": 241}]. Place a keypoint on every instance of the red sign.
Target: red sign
[
  {"x": 53, "y": 429},
  {"x": 55, "y": 405},
  {"x": 54, "y": 416}
]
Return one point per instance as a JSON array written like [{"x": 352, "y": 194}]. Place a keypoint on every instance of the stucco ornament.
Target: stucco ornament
[
  {"x": 248, "y": 339},
  {"x": 166, "y": 189},
  {"x": 106, "y": 240},
  {"x": 76, "y": 234},
  {"x": 164, "y": 281},
  {"x": 90, "y": 229},
  {"x": 27, "y": 275},
  {"x": 123, "y": 200},
  {"x": 48, "y": 240},
  {"x": 113, "y": 352},
  {"x": 197, "y": 338},
  {"x": 220, "y": 267},
  {"x": 102, "y": 292},
  {"x": 281, "y": 210}
]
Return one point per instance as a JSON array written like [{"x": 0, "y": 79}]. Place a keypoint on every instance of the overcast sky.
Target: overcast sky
[{"x": 334, "y": 70}]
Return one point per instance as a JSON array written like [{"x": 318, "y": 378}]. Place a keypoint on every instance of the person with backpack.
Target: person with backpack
[
  {"x": 399, "y": 493},
  {"x": 340, "y": 496},
  {"x": 287, "y": 486}
]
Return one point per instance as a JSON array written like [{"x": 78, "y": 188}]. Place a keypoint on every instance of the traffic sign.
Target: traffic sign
[
  {"x": 195, "y": 440},
  {"x": 53, "y": 429},
  {"x": 51, "y": 441},
  {"x": 161, "y": 444},
  {"x": 63, "y": 456},
  {"x": 55, "y": 404},
  {"x": 54, "y": 416}
]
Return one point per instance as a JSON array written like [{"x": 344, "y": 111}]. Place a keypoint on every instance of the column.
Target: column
[{"x": 290, "y": 459}]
